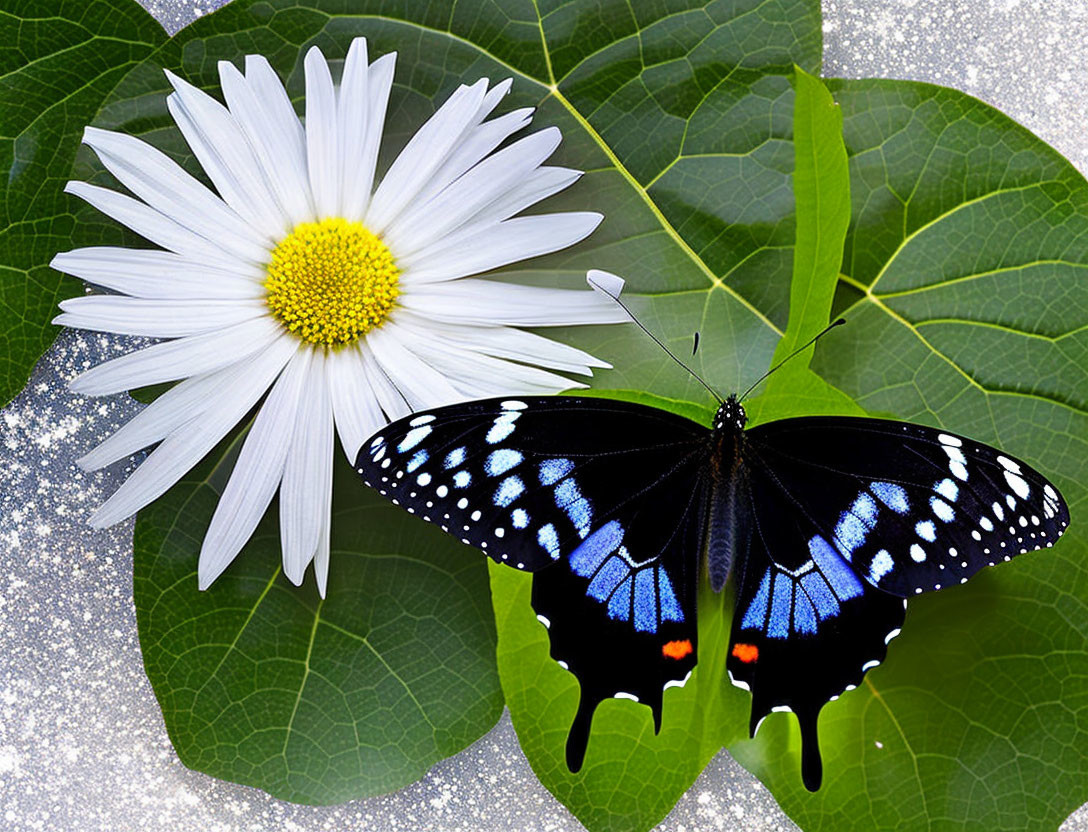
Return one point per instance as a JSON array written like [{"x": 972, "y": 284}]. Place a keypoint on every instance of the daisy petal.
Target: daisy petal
[
  {"x": 150, "y": 224},
  {"x": 507, "y": 242},
  {"x": 183, "y": 448},
  {"x": 241, "y": 383},
  {"x": 306, "y": 491},
  {"x": 322, "y": 152},
  {"x": 420, "y": 384},
  {"x": 264, "y": 112},
  {"x": 355, "y": 196},
  {"x": 353, "y": 103},
  {"x": 479, "y": 141},
  {"x": 480, "y": 376},
  {"x": 147, "y": 273},
  {"x": 161, "y": 183},
  {"x": 490, "y": 302},
  {"x": 538, "y": 185},
  {"x": 155, "y": 318},
  {"x": 221, "y": 148},
  {"x": 424, "y": 153},
  {"x": 504, "y": 342},
  {"x": 256, "y": 474},
  {"x": 321, "y": 558},
  {"x": 354, "y": 404},
  {"x": 486, "y": 182},
  {"x": 171, "y": 360},
  {"x": 389, "y": 398}
]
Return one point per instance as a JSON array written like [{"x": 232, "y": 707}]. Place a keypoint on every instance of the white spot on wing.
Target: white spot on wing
[{"x": 1018, "y": 484}]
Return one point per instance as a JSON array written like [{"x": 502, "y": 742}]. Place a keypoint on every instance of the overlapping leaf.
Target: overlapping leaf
[
  {"x": 58, "y": 62},
  {"x": 964, "y": 287}
]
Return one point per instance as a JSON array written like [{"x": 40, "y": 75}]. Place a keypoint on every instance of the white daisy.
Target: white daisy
[{"x": 347, "y": 304}]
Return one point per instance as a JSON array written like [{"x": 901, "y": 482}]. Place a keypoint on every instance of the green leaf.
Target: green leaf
[
  {"x": 315, "y": 701},
  {"x": 60, "y": 59},
  {"x": 821, "y": 189},
  {"x": 670, "y": 109},
  {"x": 965, "y": 290}
]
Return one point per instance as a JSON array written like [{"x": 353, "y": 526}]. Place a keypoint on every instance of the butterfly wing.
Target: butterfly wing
[
  {"x": 603, "y": 500},
  {"x": 805, "y": 627},
  {"x": 847, "y": 517},
  {"x": 912, "y": 508}
]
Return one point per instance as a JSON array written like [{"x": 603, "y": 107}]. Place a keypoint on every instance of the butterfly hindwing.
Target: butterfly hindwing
[
  {"x": 912, "y": 508},
  {"x": 622, "y": 616},
  {"x": 805, "y": 626},
  {"x": 603, "y": 500}
]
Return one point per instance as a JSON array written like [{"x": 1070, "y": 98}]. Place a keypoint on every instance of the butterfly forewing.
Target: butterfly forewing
[
  {"x": 912, "y": 508},
  {"x": 604, "y": 500}
]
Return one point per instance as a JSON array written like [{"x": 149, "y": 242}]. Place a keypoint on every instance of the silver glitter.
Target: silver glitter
[{"x": 82, "y": 743}]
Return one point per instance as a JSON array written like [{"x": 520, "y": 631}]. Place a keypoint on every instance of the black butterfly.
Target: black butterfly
[{"x": 829, "y": 524}]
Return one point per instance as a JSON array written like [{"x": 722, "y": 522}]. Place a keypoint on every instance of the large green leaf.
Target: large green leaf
[
  {"x": 964, "y": 287},
  {"x": 58, "y": 61},
  {"x": 717, "y": 77},
  {"x": 315, "y": 700}
]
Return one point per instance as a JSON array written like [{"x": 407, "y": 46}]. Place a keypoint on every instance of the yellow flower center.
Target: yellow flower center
[{"x": 331, "y": 281}]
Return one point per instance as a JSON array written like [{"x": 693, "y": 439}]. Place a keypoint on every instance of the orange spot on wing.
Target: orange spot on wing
[
  {"x": 676, "y": 649},
  {"x": 747, "y": 653}
]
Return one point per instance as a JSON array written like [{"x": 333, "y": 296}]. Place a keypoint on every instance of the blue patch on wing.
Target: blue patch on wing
[
  {"x": 509, "y": 490},
  {"x": 670, "y": 607},
  {"x": 891, "y": 495},
  {"x": 500, "y": 461},
  {"x": 455, "y": 458},
  {"x": 844, "y": 583},
  {"x": 619, "y": 605},
  {"x": 569, "y": 498},
  {"x": 778, "y": 626},
  {"x": 645, "y": 602},
  {"x": 553, "y": 470},
  {"x": 608, "y": 577},
  {"x": 820, "y": 594},
  {"x": 549, "y": 540},
  {"x": 757, "y": 610},
  {"x": 591, "y": 552},
  {"x": 804, "y": 618}
]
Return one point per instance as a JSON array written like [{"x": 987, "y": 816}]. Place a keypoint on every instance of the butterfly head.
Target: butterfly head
[{"x": 730, "y": 416}]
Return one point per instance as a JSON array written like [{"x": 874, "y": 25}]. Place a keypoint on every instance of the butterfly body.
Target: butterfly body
[{"x": 827, "y": 525}]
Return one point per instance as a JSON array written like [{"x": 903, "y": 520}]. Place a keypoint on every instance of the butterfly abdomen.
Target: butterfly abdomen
[{"x": 729, "y": 519}]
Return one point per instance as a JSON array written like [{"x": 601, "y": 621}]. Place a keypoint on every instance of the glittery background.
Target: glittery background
[{"x": 82, "y": 743}]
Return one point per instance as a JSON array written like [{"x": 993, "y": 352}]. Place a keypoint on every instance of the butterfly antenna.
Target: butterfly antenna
[
  {"x": 800, "y": 349},
  {"x": 611, "y": 285}
]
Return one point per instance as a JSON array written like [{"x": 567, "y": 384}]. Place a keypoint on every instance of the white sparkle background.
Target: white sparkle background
[{"x": 82, "y": 742}]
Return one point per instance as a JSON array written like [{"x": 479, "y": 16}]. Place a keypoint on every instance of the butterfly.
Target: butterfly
[{"x": 827, "y": 525}]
